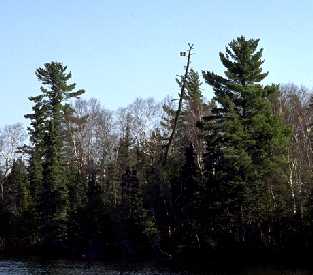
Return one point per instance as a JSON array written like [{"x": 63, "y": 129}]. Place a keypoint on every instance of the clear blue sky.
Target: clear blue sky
[{"x": 120, "y": 50}]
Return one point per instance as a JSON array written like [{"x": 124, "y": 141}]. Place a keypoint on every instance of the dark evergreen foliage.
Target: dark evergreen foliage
[{"x": 237, "y": 177}]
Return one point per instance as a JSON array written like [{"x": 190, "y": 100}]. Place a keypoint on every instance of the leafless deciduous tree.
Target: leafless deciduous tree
[
  {"x": 294, "y": 105},
  {"x": 91, "y": 134},
  {"x": 11, "y": 138}
]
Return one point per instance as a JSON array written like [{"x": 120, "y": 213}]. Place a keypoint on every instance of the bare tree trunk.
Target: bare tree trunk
[{"x": 180, "y": 104}]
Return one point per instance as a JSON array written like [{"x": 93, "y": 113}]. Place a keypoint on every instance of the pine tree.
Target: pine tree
[
  {"x": 246, "y": 142},
  {"x": 47, "y": 169}
]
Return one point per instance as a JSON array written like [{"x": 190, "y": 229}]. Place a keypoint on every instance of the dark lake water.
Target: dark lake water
[
  {"x": 18, "y": 266},
  {"x": 56, "y": 267}
]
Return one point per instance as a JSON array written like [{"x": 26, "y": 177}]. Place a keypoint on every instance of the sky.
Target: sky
[{"x": 120, "y": 50}]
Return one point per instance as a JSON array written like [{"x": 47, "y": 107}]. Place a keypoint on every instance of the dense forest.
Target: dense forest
[{"x": 179, "y": 179}]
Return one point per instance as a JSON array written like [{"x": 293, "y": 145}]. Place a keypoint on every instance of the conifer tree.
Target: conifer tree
[
  {"x": 246, "y": 142},
  {"x": 194, "y": 111},
  {"x": 36, "y": 132},
  {"x": 48, "y": 160},
  {"x": 186, "y": 200},
  {"x": 18, "y": 188}
]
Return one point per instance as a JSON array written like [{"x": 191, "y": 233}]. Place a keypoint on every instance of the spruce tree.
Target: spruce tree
[
  {"x": 18, "y": 188},
  {"x": 187, "y": 201},
  {"x": 36, "y": 132}
]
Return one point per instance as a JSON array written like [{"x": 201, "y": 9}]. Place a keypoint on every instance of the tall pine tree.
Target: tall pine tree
[
  {"x": 48, "y": 160},
  {"x": 246, "y": 145}
]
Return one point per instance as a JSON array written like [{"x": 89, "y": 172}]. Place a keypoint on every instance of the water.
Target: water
[
  {"x": 21, "y": 267},
  {"x": 56, "y": 267}
]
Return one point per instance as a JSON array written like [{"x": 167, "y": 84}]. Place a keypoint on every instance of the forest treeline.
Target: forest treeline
[{"x": 237, "y": 175}]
